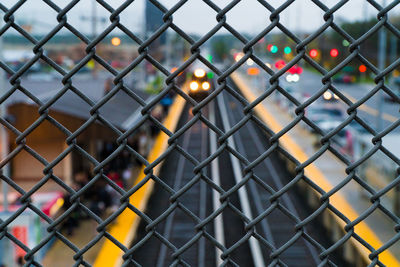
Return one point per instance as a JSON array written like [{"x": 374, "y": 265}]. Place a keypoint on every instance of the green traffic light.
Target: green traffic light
[
  {"x": 210, "y": 75},
  {"x": 287, "y": 50},
  {"x": 345, "y": 43},
  {"x": 209, "y": 58},
  {"x": 274, "y": 49}
]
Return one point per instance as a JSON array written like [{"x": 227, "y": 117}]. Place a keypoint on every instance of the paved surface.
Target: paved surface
[
  {"x": 61, "y": 255},
  {"x": 310, "y": 82},
  {"x": 333, "y": 170}
]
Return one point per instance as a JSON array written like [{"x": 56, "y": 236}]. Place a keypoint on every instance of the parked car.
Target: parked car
[
  {"x": 326, "y": 117},
  {"x": 345, "y": 78},
  {"x": 315, "y": 112}
]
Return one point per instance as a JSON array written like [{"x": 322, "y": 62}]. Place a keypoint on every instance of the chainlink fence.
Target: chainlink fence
[{"x": 19, "y": 138}]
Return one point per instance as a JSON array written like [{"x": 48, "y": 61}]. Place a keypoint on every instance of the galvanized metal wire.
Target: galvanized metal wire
[{"x": 221, "y": 85}]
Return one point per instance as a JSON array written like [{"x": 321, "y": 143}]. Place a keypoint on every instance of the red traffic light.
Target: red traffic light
[
  {"x": 362, "y": 68},
  {"x": 269, "y": 47},
  {"x": 313, "y": 53},
  {"x": 334, "y": 52}
]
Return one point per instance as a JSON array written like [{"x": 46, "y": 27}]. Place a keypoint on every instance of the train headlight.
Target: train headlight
[
  {"x": 199, "y": 73},
  {"x": 205, "y": 85},
  {"x": 335, "y": 96},
  {"x": 194, "y": 86},
  {"x": 327, "y": 95}
]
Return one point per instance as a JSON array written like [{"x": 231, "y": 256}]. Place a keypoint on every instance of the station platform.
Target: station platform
[
  {"x": 327, "y": 171},
  {"x": 80, "y": 237}
]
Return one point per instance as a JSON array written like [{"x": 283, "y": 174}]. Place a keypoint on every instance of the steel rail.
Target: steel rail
[
  {"x": 161, "y": 259},
  {"x": 219, "y": 220},
  {"x": 203, "y": 197},
  {"x": 277, "y": 181},
  {"x": 275, "y": 176},
  {"x": 242, "y": 191},
  {"x": 201, "y": 254},
  {"x": 265, "y": 226}
]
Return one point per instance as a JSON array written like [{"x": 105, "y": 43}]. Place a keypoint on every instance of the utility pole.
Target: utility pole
[
  {"x": 168, "y": 50},
  {"x": 365, "y": 11},
  {"x": 94, "y": 19},
  {"x": 142, "y": 66},
  {"x": 393, "y": 49},
  {"x": 381, "y": 67}
]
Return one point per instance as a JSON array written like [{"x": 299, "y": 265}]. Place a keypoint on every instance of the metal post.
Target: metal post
[
  {"x": 393, "y": 57},
  {"x": 3, "y": 133},
  {"x": 7, "y": 255},
  {"x": 168, "y": 50},
  {"x": 381, "y": 66},
  {"x": 365, "y": 11},
  {"x": 143, "y": 64}
]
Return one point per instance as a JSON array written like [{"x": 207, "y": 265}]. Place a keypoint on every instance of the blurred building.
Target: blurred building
[
  {"x": 49, "y": 141},
  {"x": 153, "y": 18}
]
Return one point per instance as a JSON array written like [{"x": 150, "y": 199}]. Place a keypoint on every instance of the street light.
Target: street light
[{"x": 115, "y": 41}]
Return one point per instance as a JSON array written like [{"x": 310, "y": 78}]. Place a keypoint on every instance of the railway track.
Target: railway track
[
  {"x": 278, "y": 227},
  {"x": 184, "y": 214},
  {"x": 184, "y": 199}
]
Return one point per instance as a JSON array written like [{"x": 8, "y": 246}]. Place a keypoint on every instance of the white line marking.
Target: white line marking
[
  {"x": 242, "y": 192},
  {"x": 218, "y": 222}
]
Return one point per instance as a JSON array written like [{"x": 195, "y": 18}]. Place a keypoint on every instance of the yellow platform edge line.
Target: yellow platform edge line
[
  {"x": 125, "y": 225},
  {"x": 337, "y": 200}
]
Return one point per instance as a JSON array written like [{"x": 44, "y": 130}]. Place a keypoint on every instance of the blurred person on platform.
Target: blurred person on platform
[
  {"x": 166, "y": 102},
  {"x": 156, "y": 113},
  {"x": 72, "y": 220},
  {"x": 108, "y": 85}
]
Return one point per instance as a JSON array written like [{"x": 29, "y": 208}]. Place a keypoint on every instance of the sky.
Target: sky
[{"x": 195, "y": 16}]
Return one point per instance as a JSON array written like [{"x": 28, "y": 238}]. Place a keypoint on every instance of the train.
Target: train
[{"x": 200, "y": 84}]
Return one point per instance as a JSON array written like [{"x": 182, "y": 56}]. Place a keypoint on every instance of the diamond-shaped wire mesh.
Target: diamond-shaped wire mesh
[{"x": 97, "y": 113}]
